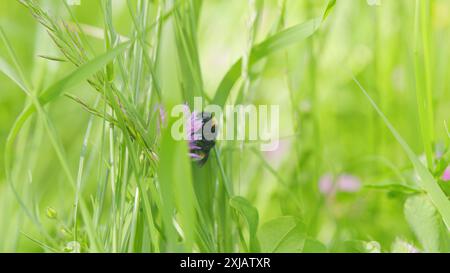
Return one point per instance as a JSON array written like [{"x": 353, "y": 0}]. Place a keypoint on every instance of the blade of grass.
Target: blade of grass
[
  {"x": 423, "y": 88},
  {"x": 427, "y": 181},
  {"x": 72, "y": 79},
  {"x": 272, "y": 44}
]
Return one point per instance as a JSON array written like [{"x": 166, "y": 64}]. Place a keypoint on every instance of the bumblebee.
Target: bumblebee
[{"x": 202, "y": 132}]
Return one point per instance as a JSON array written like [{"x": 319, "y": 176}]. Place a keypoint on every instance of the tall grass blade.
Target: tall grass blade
[{"x": 427, "y": 181}]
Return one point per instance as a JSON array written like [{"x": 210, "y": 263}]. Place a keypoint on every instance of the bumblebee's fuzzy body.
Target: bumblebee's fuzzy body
[{"x": 202, "y": 136}]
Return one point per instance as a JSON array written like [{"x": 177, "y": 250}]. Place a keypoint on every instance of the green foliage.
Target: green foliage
[
  {"x": 427, "y": 181},
  {"x": 286, "y": 235},
  {"x": 426, "y": 223},
  {"x": 251, "y": 217},
  {"x": 90, "y": 164}
]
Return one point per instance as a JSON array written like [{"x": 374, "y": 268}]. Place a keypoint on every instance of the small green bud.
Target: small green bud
[{"x": 51, "y": 213}]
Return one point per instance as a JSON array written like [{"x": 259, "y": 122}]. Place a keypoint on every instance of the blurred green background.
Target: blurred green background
[{"x": 329, "y": 130}]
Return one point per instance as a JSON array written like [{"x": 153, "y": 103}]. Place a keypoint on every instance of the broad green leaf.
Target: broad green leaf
[
  {"x": 285, "y": 38},
  {"x": 314, "y": 246},
  {"x": 250, "y": 214},
  {"x": 427, "y": 181},
  {"x": 424, "y": 221},
  {"x": 284, "y": 234},
  {"x": 175, "y": 181}
]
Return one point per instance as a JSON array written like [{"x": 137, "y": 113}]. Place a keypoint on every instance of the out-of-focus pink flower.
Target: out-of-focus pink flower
[
  {"x": 344, "y": 183},
  {"x": 446, "y": 175},
  {"x": 348, "y": 183},
  {"x": 326, "y": 184}
]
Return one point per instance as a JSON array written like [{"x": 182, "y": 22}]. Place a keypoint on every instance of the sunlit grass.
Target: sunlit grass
[{"x": 90, "y": 164}]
